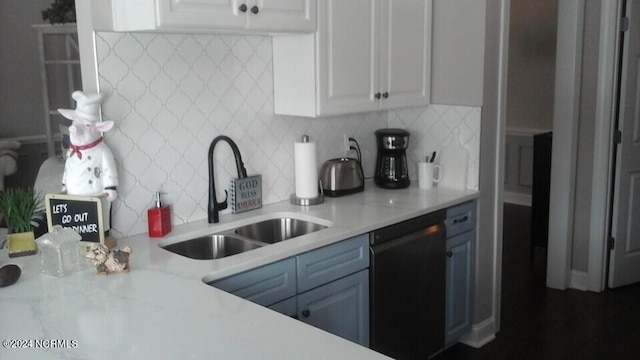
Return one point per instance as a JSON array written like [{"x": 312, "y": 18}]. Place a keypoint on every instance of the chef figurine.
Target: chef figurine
[{"x": 90, "y": 169}]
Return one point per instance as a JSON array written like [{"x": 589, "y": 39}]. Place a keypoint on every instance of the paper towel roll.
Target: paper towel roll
[{"x": 306, "y": 170}]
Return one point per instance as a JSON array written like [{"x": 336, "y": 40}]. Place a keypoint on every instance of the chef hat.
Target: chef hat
[{"x": 87, "y": 106}]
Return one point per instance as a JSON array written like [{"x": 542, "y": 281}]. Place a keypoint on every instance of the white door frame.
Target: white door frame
[
  {"x": 606, "y": 105},
  {"x": 565, "y": 128},
  {"x": 566, "y": 112}
]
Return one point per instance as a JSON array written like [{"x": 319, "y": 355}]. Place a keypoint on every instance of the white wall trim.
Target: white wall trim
[
  {"x": 503, "y": 61},
  {"x": 480, "y": 334},
  {"x": 603, "y": 150},
  {"x": 517, "y": 198},
  {"x": 518, "y": 131},
  {"x": 565, "y": 140},
  {"x": 579, "y": 280},
  {"x": 490, "y": 205}
]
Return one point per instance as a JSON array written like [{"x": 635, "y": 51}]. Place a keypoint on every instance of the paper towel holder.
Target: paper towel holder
[{"x": 308, "y": 201}]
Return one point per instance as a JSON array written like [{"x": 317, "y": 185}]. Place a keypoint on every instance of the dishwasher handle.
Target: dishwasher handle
[{"x": 407, "y": 227}]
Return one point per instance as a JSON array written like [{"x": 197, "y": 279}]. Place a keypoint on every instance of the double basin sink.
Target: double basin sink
[{"x": 244, "y": 238}]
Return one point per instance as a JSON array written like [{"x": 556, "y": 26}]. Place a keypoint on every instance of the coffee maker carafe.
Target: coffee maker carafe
[{"x": 391, "y": 166}]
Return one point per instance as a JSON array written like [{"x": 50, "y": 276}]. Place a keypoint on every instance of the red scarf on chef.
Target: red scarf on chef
[{"x": 75, "y": 149}]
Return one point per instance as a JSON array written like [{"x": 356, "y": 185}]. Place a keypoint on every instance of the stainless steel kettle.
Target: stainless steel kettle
[{"x": 341, "y": 176}]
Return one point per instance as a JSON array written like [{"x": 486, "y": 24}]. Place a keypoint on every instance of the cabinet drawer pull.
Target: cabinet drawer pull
[
  {"x": 461, "y": 220},
  {"x": 449, "y": 254},
  {"x": 255, "y": 10},
  {"x": 378, "y": 95},
  {"x": 306, "y": 313},
  {"x": 385, "y": 95},
  {"x": 243, "y": 8}
]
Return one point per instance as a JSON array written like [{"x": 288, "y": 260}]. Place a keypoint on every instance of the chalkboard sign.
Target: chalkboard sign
[{"x": 82, "y": 214}]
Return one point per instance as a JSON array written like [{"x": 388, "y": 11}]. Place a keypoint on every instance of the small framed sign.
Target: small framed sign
[
  {"x": 246, "y": 194},
  {"x": 82, "y": 214}
]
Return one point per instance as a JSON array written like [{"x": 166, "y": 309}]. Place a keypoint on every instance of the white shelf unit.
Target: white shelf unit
[{"x": 60, "y": 72}]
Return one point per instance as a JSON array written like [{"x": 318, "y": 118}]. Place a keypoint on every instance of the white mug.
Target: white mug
[{"x": 428, "y": 174}]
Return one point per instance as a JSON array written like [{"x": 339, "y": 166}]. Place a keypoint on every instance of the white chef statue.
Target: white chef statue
[{"x": 90, "y": 169}]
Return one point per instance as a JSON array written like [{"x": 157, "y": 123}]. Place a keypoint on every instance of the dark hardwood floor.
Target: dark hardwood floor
[{"x": 541, "y": 323}]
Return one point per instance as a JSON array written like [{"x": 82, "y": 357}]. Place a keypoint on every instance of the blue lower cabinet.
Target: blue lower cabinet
[
  {"x": 459, "y": 285},
  {"x": 340, "y": 307},
  {"x": 265, "y": 285},
  {"x": 287, "y": 307},
  {"x": 461, "y": 238},
  {"x": 327, "y": 287},
  {"x": 332, "y": 262}
]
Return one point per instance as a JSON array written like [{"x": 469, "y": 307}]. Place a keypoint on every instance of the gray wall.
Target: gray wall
[
  {"x": 530, "y": 86},
  {"x": 457, "y": 61},
  {"x": 21, "y": 109},
  {"x": 532, "y": 55}
]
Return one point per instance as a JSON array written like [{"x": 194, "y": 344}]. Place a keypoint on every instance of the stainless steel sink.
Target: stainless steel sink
[
  {"x": 212, "y": 247},
  {"x": 275, "y": 230},
  {"x": 244, "y": 238}
]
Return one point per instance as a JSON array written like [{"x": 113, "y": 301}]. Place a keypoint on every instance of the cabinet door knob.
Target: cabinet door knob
[
  {"x": 385, "y": 95},
  {"x": 377, "y": 95},
  {"x": 449, "y": 254},
  {"x": 243, "y": 8},
  {"x": 306, "y": 313},
  {"x": 255, "y": 10}
]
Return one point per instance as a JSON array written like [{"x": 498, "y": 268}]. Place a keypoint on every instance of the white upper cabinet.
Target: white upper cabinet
[
  {"x": 267, "y": 16},
  {"x": 405, "y": 59},
  {"x": 283, "y": 15},
  {"x": 367, "y": 55},
  {"x": 202, "y": 13}
]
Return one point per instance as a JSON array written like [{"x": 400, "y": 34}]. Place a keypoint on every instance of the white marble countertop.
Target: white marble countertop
[{"x": 162, "y": 309}]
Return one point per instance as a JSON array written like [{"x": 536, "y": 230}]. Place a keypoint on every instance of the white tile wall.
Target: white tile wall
[
  {"x": 171, "y": 94},
  {"x": 435, "y": 126}
]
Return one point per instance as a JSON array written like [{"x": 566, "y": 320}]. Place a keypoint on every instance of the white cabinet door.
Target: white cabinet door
[
  {"x": 366, "y": 55},
  {"x": 235, "y": 16},
  {"x": 281, "y": 15},
  {"x": 259, "y": 15},
  {"x": 348, "y": 45},
  {"x": 405, "y": 57},
  {"x": 201, "y": 13}
]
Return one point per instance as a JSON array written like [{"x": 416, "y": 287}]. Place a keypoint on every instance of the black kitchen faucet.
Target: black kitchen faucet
[{"x": 214, "y": 205}]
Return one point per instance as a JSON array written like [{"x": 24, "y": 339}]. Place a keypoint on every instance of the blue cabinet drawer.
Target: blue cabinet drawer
[
  {"x": 461, "y": 218},
  {"x": 265, "y": 285},
  {"x": 332, "y": 262}
]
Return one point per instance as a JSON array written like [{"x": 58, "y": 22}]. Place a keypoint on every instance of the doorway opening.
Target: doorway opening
[{"x": 529, "y": 123}]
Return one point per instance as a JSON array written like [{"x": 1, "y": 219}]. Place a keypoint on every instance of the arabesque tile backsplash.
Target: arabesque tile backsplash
[{"x": 171, "y": 94}]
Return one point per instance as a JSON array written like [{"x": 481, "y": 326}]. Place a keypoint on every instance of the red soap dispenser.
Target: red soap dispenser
[{"x": 159, "y": 219}]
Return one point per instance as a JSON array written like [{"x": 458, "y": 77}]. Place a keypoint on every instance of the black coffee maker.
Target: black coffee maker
[{"x": 391, "y": 166}]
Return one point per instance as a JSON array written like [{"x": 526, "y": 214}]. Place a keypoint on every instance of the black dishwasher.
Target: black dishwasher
[{"x": 407, "y": 287}]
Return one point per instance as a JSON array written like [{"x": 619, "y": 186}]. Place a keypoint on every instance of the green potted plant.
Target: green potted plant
[
  {"x": 19, "y": 209},
  {"x": 60, "y": 12}
]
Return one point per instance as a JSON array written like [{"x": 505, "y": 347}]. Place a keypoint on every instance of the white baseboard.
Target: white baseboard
[
  {"x": 480, "y": 334},
  {"x": 517, "y": 198},
  {"x": 579, "y": 280}
]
